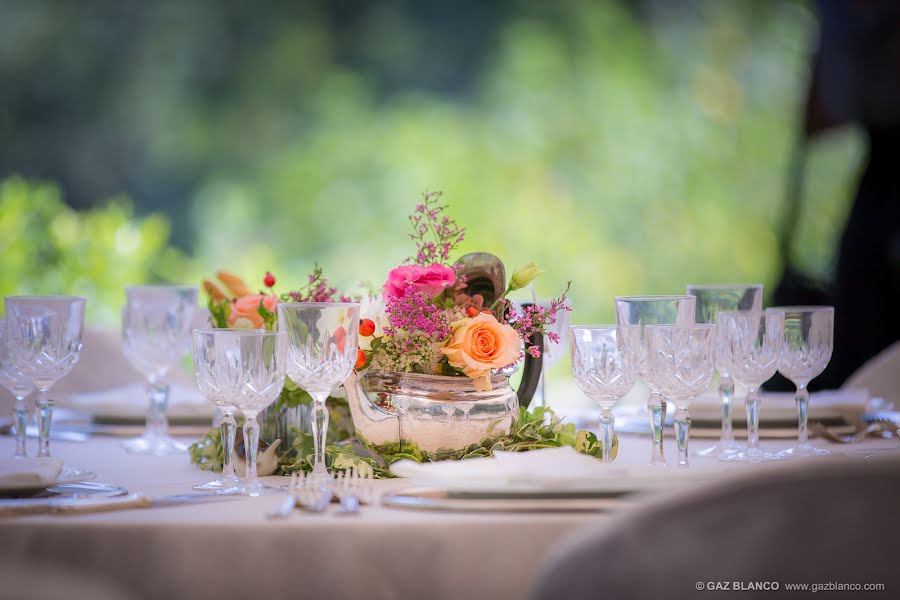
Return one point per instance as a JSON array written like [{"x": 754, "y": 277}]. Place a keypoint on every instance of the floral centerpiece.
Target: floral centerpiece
[{"x": 437, "y": 344}]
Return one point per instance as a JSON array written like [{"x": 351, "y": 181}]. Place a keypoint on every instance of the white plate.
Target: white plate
[
  {"x": 66, "y": 475},
  {"x": 129, "y": 403}
]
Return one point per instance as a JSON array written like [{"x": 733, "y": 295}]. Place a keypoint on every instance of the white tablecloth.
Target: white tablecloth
[{"x": 230, "y": 549}]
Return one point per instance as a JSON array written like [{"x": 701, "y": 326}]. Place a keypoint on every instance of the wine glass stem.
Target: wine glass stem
[
  {"x": 802, "y": 399},
  {"x": 157, "y": 421},
  {"x": 227, "y": 428},
  {"x": 682, "y": 434},
  {"x": 21, "y": 414},
  {"x": 44, "y": 419},
  {"x": 607, "y": 429},
  {"x": 319, "y": 414},
  {"x": 657, "y": 409},
  {"x": 752, "y": 419},
  {"x": 726, "y": 391},
  {"x": 251, "y": 447}
]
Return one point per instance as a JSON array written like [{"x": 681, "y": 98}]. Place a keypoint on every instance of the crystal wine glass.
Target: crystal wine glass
[
  {"x": 322, "y": 344},
  {"x": 553, "y": 352},
  {"x": 216, "y": 352},
  {"x": 19, "y": 385},
  {"x": 256, "y": 359},
  {"x": 44, "y": 341},
  {"x": 605, "y": 364},
  {"x": 680, "y": 362},
  {"x": 808, "y": 342},
  {"x": 749, "y": 344},
  {"x": 654, "y": 310},
  {"x": 156, "y": 334},
  {"x": 710, "y": 300}
]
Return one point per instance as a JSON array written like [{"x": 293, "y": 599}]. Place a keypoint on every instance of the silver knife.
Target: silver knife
[{"x": 79, "y": 506}]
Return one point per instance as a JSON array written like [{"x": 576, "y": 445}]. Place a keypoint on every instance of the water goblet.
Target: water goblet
[
  {"x": 749, "y": 343},
  {"x": 322, "y": 344},
  {"x": 553, "y": 352},
  {"x": 710, "y": 300},
  {"x": 654, "y": 310},
  {"x": 219, "y": 379},
  {"x": 605, "y": 364},
  {"x": 44, "y": 341},
  {"x": 808, "y": 343},
  {"x": 256, "y": 359},
  {"x": 19, "y": 385},
  {"x": 156, "y": 334},
  {"x": 680, "y": 362}
]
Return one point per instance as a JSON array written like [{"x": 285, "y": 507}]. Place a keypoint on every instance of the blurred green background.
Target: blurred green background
[{"x": 632, "y": 147}]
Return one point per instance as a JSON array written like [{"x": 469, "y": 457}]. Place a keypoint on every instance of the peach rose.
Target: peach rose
[
  {"x": 244, "y": 310},
  {"x": 480, "y": 344}
]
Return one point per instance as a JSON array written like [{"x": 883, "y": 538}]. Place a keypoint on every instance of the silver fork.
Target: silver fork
[
  {"x": 353, "y": 488},
  {"x": 888, "y": 426},
  {"x": 858, "y": 436},
  {"x": 289, "y": 503},
  {"x": 313, "y": 492}
]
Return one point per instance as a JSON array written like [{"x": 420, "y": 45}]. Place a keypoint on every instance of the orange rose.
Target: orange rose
[
  {"x": 244, "y": 311},
  {"x": 480, "y": 344}
]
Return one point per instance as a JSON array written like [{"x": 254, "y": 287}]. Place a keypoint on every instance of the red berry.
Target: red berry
[
  {"x": 366, "y": 327},
  {"x": 471, "y": 311},
  {"x": 360, "y": 359},
  {"x": 269, "y": 280}
]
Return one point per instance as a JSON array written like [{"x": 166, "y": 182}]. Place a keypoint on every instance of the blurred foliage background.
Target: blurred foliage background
[{"x": 632, "y": 147}]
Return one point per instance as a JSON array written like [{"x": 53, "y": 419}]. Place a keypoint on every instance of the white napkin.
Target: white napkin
[
  {"x": 780, "y": 406},
  {"x": 24, "y": 472},
  {"x": 548, "y": 469},
  {"x": 550, "y": 462},
  {"x": 130, "y": 401}
]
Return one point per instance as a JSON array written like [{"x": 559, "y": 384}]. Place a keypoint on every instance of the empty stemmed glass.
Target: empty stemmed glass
[
  {"x": 156, "y": 335},
  {"x": 680, "y": 361},
  {"x": 19, "y": 385},
  {"x": 710, "y": 300},
  {"x": 256, "y": 359},
  {"x": 554, "y": 351},
  {"x": 653, "y": 310},
  {"x": 44, "y": 341},
  {"x": 808, "y": 342},
  {"x": 749, "y": 344},
  {"x": 219, "y": 378},
  {"x": 605, "y": 364},
  {"x": 321, "y": 355}
]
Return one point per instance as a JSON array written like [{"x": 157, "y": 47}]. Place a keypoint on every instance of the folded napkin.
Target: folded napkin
[
  {"x": 549, "y": 462},
  {"x": 25, "y": 472},
  {"x": 780, "y": 406},
  {"x": 130, "y": 402},
  {"x": 547, "y": 469}
]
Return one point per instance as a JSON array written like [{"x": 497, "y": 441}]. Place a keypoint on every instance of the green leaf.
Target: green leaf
[{"x": 541, "y": 428}]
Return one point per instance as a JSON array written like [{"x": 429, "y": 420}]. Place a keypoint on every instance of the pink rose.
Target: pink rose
[{"x": 431, "y": 281}]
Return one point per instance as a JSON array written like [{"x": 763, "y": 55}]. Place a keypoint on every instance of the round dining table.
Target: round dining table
[{"x": 232, "y": 547}]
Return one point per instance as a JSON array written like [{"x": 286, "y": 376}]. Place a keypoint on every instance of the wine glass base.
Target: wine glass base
[
  {"x": 721, "y": 449},
  {"x": 255, "y": 490},
  {"x": 154, "y": 445},
  {"x": 803, "y": 452},
  {"x": 752, "y": 455},
  {"x": 221, "y": 486}
]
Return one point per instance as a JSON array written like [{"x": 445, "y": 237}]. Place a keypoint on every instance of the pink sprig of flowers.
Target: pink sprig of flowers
[
  {"x": 414, "y": 312},
  {"x": 436, "y": 235},
  {"x": 537, "y": 319},
  {"x": 316, "y": 290}
]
